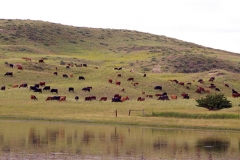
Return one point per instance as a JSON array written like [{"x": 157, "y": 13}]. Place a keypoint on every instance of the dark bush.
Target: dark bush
[{"x": 214, "y": 102}]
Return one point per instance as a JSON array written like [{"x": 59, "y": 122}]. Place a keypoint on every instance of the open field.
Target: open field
[{"x": 161, "y": 58}]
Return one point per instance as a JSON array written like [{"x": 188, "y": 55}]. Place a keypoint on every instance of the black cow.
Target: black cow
[
  {"x": 54, "y": 90},
  {"x": 163, "y": 97},
  {"x": 65, "y": 76},
  {"x": 76, "y": 98},
  {"x": 84, "y": 65},
  {"x": 33, "y": 88},
  {"x": 11, "y": 65},
  {"x": 56, "y": 98},
  {"x": 186, "y": 96},
  {"x": 39, "y": 90},
  {"x": 116, "y": 99},
  {"x": 86, "y": 89},
  {"x": 55, "y": 73},
  {"x": 70, "y": 89},
  {"x": 81, "y": 78},
  {"x": 158, "y": 87},
  {"x": 8, "y": 74},
  {"x": 234, "y": 91},
  {"x": 217, "y": 89},
  {"x": 3, "y": 88},
  {"x": 46, "y": 88}
]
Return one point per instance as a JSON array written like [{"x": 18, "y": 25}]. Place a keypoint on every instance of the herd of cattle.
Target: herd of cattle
[{"x": 41, "y": 86}]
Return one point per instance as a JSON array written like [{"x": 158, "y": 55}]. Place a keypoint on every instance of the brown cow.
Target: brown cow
[
  {"x": 150, "y": 96},
  {"x": 110, "y": 80},
  {"x": 181, "y": 83},
  {"x": 40, "y": 61},
  {"x": 62, "y": 98},
  {"x": 15, "y": 86},
  {"x": 34, "y": 97},
  {"x": 173, "y": 96},
  {"x": 130, "y": 79},
  {"x": 157, "y": 95},
  {"x": 103, "y": 99},
  {"x": 140, "y": 99},
  {"x": 136, "y": 83},
  {"x": 125, "y": 98},
  {"x": 49, "y": 98},
  {"x": 71, "y": 75},
  {"x": 235, "y": 95},
  {"x": 226, "y": 85},
  {"x": 119, "y": 75},
  {"x": 118, "y": 83},
  {"x": 42, "y": 83},
  {"x": 19, "y": 67}
]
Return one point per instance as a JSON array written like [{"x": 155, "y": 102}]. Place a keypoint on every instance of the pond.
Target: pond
[{"x": 48, "y": 140}]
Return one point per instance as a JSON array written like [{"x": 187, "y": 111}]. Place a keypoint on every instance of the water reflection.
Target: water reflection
[{"x": 82, "y": 141}]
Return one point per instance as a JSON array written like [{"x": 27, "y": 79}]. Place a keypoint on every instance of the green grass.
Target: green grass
[{"x": 127, "y": 49}]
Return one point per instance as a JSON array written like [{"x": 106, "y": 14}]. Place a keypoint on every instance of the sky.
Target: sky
[{"x": 211, "y": 23}]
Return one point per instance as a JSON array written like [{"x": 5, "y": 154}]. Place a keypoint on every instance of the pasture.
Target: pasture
[{"x": 17, "y": 104}]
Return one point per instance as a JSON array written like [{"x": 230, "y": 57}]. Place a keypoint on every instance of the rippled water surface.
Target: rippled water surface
[{"x": 44, "y": 140}]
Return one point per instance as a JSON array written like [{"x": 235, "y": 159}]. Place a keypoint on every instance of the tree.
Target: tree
[{"x": 214, "y": 102}]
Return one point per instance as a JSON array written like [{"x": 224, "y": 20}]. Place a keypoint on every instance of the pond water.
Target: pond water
[{"x": 45, "y": 140}]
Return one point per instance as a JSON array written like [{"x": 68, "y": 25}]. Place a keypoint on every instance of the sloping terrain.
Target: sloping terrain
[{"x": 135, "y": 50}]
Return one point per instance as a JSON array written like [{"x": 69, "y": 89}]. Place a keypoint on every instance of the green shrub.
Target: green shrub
[{"x": 214, "y": 102}]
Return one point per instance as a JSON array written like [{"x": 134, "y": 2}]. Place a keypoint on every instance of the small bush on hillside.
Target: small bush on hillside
[{"x": 214, "y": 102}]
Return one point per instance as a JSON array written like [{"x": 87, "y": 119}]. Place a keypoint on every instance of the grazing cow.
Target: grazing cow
[
  {"x": 136, "y": 83},
  {"x": 42, "y": 83},
  {"x": 130, "y": 79},
  {"x": 24, "y": 85},
  {"x": 55, "y": 73},
  {"x": 19, "y": 67},
  {"x": 189, "y": 83},
  {"x": 49, "y": 98},
  {"x": 39, "y": 90},
  {"x": 226, "y": 85},
  {"x": 150, "y": 96},
  {"x": 84, "y": 65},
  {"x": 176, "y": 81},
  {"x": 46, "y": 88},
  {"x": 235, "y": 95},
  {"x": 200, "y": 80},
  {"x": 62, "y": 98},
  {"x": 65, "y": 76},
  {"x": 144, "y": 75},
  {"x": 3, "y": 88},
  {"x": 56, "y": 98},
  {"x": 76, "y": 98},
  {"x": 163, "y": 97},
  {"x": 81, "y": 78},
  {"x": 33, "y": 97},
  {"x": 8, "y": 74},
  {"x": 33, "y": 88},
  {"x": 187, "y": 87},
  {"x": 217, "y": 89},
  {"x": 70, "y": 89},
  {"x": 185, "y": 96},
  {"x": 15, "y": 86},
  {"x": 207, "y": 90},
  {"x": 125, "y": 98},
  {"x": 54, "y": 90},
  {"x": 11, "y": 65},
  {"x": 123, "y": 90},
  {"x": 119, "y": 75},
  {"x": 198, "y": 91},
  {"x": 118, "y": 83},
  {"x": 212, "y": 86},
  {"x": 116, "y": 99},
  {"x": 158, "y": 87},
  {"x": 212, "y": 79},
  {"x": 40, "y": 61},
  {"x": 103, "y": 99},
  {"x": 67, "y": 67},
  {"x": 90, "y": 98},
  {"x": 71, "y": 75},
  {"x": 86, "y": 89},
  {"x": 157, "y": 95},
  {"x": 143, "y": 92},
  {"x": 173, "y": 96},
  {"x": 140, "y": 99},
  {"x": 110, "y": 80},
  {"x": 201, "y": 89},
  {"x": 181, "y": 83}
]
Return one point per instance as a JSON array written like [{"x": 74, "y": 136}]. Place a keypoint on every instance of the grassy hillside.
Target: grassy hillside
[{"x": 140, "y": 51}]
